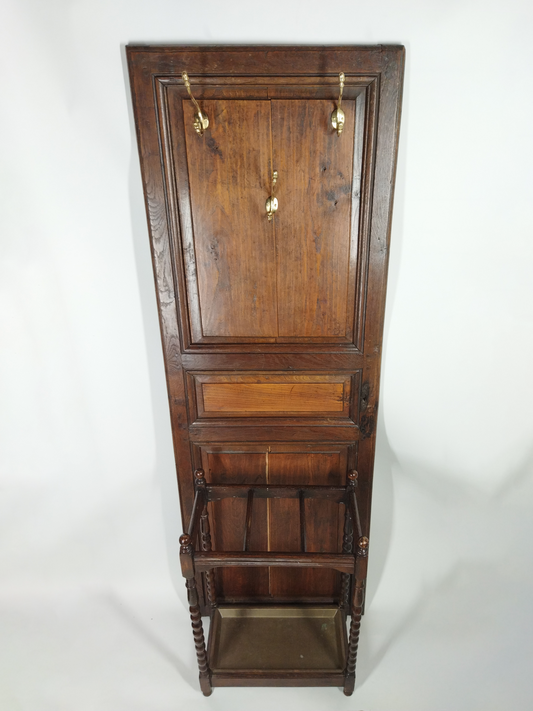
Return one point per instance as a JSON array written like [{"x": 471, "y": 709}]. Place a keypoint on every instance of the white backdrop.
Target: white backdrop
[{"x": 92, "y": 605}]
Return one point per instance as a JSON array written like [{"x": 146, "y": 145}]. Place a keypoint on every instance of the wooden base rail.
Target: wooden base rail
[
  {"x": 342, "y": 563},
  {"x": 217, "y": 492},
  {"x": 352, "y": 564}
]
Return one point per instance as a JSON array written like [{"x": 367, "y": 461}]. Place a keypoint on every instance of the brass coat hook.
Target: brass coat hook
[
  {"x": 272, "y": 202},
  {"x": 201, "y": 122},
  {"x": 337, "y": 117}
]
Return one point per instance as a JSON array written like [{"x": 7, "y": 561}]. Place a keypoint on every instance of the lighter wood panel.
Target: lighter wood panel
[
  {"x": 220, "y": 395},
  {"x": 229, "y": 177},
  {"x": 273, "y": 397},
  {"x": 313, "y": 219}
]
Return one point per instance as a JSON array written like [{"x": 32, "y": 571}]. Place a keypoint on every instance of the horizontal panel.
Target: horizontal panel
[
  {"x": 268, "y": 395},
  {"x": 208, "y": 432},
  {"x": 221, "y": 361},
  {"x": 273, "y": 397}
]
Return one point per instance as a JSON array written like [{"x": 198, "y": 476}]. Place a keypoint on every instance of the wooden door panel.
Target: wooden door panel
[
  {"x": 313, "y": 222},
  {"x": 301, "y": 295},
  {"x": 292, "y": 280},
  {"x": 229, "y": 177}
]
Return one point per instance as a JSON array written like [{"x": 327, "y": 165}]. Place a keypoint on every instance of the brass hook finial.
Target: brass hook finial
[
  {"x": 337, "y": 117},
  {"x": 201, "y": 122},
  {"x": 272, "y": 202}
]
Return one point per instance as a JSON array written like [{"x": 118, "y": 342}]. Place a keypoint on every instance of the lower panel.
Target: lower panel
[
  {"x": 266, "y": 679},
  {"x": 276, "y": 522},
  {"x": 272, "y": 641}
]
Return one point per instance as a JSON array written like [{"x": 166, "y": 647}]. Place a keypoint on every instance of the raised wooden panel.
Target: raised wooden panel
[
  {"x": 313, "y": 222},
  {"x": 285, "y": 281},
  {"x": 229, "y": 179},
  {"x": 271, "y": 395}
]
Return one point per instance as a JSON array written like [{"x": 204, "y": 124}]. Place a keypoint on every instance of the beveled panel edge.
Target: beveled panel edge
[
  {"x": 351, "y": 386},
  {"x": 182, "y": 243},
  {"x": 258, "y": 379},
  {"x": 226, "y": 399}
]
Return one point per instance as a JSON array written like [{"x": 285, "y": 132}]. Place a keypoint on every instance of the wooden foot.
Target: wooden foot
[
  {"x": 186, "y": 552},
  {"x": 353, "y": 644},
  {"x": 357, "y": 610},
  {"x": 198, "y": 635},
  {"x": 349, "y": 684},
  {"x": 205, "y": 685}
]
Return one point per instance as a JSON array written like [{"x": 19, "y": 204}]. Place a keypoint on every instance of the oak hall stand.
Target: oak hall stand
[{"x": 268, "y": 177}]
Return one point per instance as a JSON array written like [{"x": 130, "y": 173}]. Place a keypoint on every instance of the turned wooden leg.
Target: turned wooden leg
[
  {"x": 357, "y": 610},
  {"x": 186, "y": 556},
  {"x": 353, "y": 640}
]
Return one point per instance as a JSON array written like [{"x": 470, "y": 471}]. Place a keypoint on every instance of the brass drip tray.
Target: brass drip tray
[{"x": 278, "y": 639}]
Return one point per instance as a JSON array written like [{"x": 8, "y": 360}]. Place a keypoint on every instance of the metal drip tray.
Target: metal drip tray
[{"x": 278, "y": 639}]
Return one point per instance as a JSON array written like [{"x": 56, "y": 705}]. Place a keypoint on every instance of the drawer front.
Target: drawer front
[{"x": 272, "y": 395}]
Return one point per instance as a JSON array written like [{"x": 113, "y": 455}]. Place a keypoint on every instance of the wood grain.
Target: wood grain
[
  {"x": 273, "y": 397},
  {"x": 228, "y": 519},
  {"x": 324, "y": 342},
  {"x": 323, "y": 529},
  {"x": 313, "y": 221},
  {"x": 229, "y": 175}
]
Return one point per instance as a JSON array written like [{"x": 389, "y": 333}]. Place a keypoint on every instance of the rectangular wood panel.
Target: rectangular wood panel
[
  {"x": 313, "y": 220},
  {"x": 229, "y": 177},
  {"x": 271, "y": 395}
]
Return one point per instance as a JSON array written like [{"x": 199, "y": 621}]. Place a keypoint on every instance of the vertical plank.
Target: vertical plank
[
  {"x": 249, "y": 514},
  {"x": 303, "y": 535},
  {"x": 313, "y": 223},
  {"x": 322, "y": 533},
  {"x": 228, "y": 519},
  {"x": 229, "y": 177}
]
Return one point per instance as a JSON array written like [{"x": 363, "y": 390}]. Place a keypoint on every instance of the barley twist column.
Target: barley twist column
[
  {"x": 205, "y": 541},
  {"x": 357, "y": 610},
  {"x": 187, "y": 565}
]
